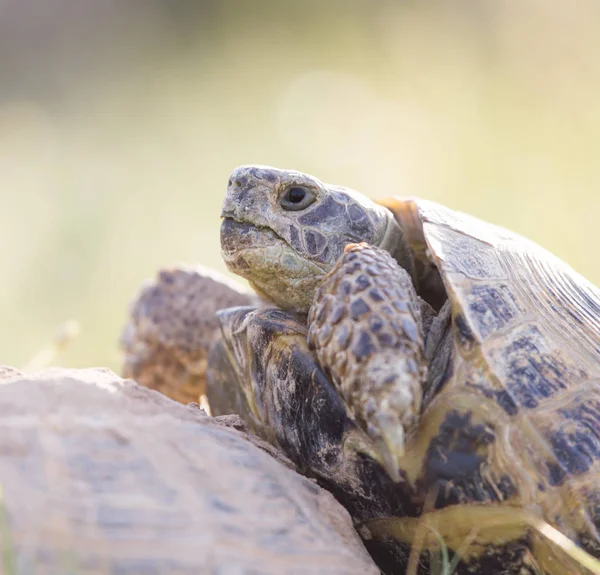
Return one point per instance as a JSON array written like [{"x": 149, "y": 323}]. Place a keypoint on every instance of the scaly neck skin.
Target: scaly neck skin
[{"x": 395, "y": 243}]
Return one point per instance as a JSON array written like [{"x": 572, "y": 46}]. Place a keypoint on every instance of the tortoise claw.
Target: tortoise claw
[{"x": 388, "y": 435}]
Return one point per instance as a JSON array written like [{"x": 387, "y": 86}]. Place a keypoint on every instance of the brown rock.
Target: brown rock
[
  {"x": 100, "y": 475},
  {"x": 171, "y": 326}
]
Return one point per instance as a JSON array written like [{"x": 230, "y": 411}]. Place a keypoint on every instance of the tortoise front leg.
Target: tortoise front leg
[{"x": 368, "y": 332}]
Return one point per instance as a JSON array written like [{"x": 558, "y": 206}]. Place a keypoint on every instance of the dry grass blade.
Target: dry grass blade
[
  {"x": 567, "y": 546},
  {"x": 494, "y": 519},
  {"x": 420, "y": 538},
  {"x": 64, "y": 336}
]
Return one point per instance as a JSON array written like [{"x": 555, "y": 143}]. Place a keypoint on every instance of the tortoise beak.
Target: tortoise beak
[
  {"x": 229, "y": 208},
  {"x": 238, "y": 236},
  {"x": 232, "y": 205}
]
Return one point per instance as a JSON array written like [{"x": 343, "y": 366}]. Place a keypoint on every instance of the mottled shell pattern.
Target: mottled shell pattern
[{"x": 526, "y": 381}]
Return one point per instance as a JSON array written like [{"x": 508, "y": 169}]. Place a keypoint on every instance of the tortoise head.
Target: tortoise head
[{"x": 284, "y": 230}]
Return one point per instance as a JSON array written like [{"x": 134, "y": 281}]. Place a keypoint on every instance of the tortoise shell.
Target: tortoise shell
[{"x": 518, "y": 423}]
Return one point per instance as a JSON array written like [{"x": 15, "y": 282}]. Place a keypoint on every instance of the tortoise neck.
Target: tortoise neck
[{"x": 394, "y": 241}]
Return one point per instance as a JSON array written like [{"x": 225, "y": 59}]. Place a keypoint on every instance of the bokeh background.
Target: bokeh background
[{"x": 120, "y": 121}]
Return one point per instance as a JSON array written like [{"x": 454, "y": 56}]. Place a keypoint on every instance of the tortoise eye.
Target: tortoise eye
[{"x": 296, "y": 198}]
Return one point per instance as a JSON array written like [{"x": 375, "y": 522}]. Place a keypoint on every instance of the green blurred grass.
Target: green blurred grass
[{"x": 115, "y": 165}]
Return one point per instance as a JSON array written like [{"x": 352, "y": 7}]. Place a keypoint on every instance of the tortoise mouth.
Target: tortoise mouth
[
  {"x": 244, "y": 246},
  {"x": 239, "y": 236},
  {"x": 272, "y": 266}
]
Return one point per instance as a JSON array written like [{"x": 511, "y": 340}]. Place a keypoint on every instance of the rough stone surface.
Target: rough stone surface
[
  {"x": 171, "y": 326},
  {"x": 7, "y": 373},
  {"x": 100, "y": 475}
]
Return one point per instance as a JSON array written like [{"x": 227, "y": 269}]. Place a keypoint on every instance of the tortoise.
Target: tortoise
[{"x": 439, "y": 374}]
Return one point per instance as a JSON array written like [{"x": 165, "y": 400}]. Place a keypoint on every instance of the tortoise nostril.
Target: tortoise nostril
[{"x": 229, "y": 183}]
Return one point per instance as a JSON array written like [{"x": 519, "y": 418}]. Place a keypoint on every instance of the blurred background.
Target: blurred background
[{"x": 120, "y": 121}]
